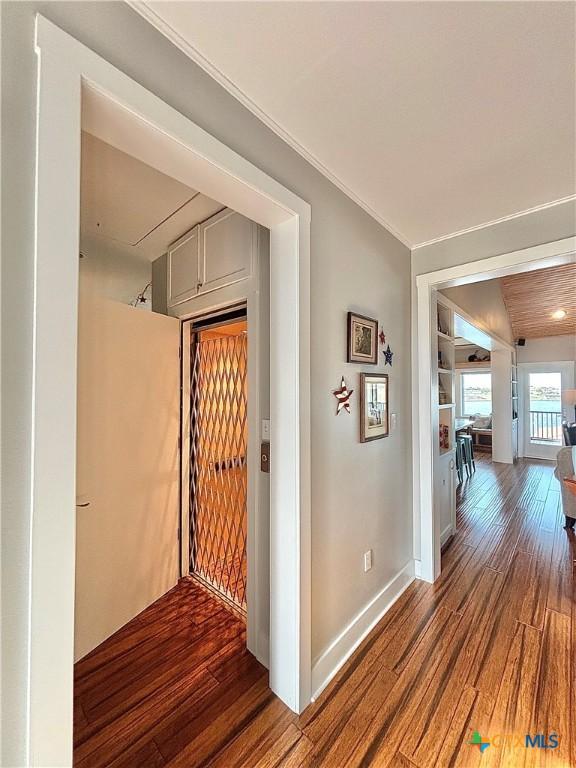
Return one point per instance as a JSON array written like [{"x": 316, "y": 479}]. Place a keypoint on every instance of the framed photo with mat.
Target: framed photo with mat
[
  {"x": 362, "y": 339},
  {"x": 374, "y": 406}
]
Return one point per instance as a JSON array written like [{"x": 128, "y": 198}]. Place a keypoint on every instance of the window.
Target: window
[
  {"x": 476, "y": 394},
  {"x": 544, "y": 392}
]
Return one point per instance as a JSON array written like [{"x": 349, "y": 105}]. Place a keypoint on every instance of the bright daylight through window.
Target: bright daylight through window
[{"x": 476, "y": 394}]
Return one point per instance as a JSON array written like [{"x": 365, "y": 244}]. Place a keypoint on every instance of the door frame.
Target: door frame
[
  {"x": 424, "y": 442},
  {"x": 67, "y": 71},
  {"x": 566, "y": 371}
]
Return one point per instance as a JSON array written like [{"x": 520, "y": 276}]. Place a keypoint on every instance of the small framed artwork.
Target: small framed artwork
[
  {"x": 374, "y": 417},
  {"x": 362, "y": 339}
]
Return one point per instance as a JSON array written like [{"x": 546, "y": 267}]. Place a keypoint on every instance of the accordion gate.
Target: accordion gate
[{"x": 218, "y": 476}]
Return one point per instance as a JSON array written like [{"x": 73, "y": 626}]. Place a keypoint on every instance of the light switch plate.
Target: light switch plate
[
  {"x": 392, "y": 422},
  {"x": 367, "y": 560},
  {"x": 265, "y": 429}
]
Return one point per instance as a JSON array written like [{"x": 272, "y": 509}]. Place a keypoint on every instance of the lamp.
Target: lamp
[{"x": 569, "y": 398}]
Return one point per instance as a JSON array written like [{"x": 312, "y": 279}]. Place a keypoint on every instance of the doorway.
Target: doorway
[
  {"x": 133, "y": 118},
  {"x": 425, "y": 426},
  {"x": 543, "y": 387},
  {"x": 218, "y": 458}
]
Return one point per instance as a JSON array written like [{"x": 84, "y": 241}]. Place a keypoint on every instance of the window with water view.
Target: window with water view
[
  {"x": 476, "y": 394},
  {"x": 545, "y": 407}
]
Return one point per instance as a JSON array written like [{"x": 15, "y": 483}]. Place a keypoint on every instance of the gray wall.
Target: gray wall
[
  {"x": 543, "y": 226},
  {"x": 361, "y": 494}
]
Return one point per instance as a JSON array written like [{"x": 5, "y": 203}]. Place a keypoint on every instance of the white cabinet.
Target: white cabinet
[
  {"x": 217, "y": 253},
  {"x": 446, "y": 495},
  {"x": 183, "y": 268},
  {"x": 227, "y": 243}
]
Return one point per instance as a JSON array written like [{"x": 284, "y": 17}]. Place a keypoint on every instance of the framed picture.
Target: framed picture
[
  {"x": 374, "y": 417},
  {"x": 362, "y": 339}
]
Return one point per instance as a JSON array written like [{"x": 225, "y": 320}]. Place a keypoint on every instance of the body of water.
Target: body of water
[{"x": 484, "y": 407}]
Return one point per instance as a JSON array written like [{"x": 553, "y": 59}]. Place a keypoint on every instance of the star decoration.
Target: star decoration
[
  {"x": 343, "y": 396},
  {"x": 382, "y": 337},
  {"x": 388, "y": 355}
]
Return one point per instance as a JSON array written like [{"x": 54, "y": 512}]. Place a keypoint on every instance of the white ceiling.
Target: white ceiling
[
  {"x": 436, "y": 116},
  {"x": 131, "y": 207}
]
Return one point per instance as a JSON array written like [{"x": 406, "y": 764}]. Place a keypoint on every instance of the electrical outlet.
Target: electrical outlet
[
  {"x": 367, "y": 560},
  {"x": 265, "y": 429}
]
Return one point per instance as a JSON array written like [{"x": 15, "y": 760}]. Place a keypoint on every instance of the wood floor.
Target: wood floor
[{"x": 489, "y": 648}]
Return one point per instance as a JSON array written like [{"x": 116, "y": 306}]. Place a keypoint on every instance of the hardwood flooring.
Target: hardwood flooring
[{"x": 490, "y": 647}]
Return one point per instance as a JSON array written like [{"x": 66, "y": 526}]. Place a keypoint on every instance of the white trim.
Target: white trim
[
  {"x": 424, "y": 444},
  {"x": 526, "y": 212},
  {"x": 65, "y": 67},
  {"x": 525, "y": 260},
  {"x": 446, "y": 534},
  {"x": 153, "y": 18},
  {"x": 340, "y": 650},
  {"x": 418, "y": 569}
]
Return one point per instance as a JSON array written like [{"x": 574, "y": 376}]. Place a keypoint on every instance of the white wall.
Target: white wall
[
  {"x": 485, "y": 304},
  {"x": 127, "y": 549},
  {"x": 543, "y": 226},
  {"x": 551, "y": 349},
  {"x": 361, "y": 494},
  {"x": 111, "y": 273}
]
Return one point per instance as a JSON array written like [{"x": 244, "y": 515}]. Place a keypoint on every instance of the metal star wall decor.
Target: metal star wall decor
[
  {"x": 382, "y": 337},
  {"x": 388, "y": 356},
  {"x": 343, "y": 396}
]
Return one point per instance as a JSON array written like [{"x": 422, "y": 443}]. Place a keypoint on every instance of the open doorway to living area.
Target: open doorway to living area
[{"x": 496, "y": 380}]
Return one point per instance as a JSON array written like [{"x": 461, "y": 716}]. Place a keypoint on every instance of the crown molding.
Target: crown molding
[
  {"x": 527, "y": 212},
  {"x": 148, "y": 13}
]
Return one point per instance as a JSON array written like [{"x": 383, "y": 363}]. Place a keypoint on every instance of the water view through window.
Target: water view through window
[
  {"x": 545, "y": 407},
  {"x": 476, "y": 394}
]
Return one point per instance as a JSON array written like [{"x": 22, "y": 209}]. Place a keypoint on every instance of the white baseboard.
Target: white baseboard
[
  {"x": 445, "y": 535},
  {"x": 327, "y": 665}
]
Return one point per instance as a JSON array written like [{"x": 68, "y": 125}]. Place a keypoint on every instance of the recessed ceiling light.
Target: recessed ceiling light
[{"x": 560, "y": 314}]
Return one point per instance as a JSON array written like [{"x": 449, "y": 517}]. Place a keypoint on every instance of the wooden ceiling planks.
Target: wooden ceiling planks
[{"x": 532, "y": 297}]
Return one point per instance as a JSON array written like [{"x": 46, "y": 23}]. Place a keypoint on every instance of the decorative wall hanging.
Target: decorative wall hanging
[
  {"x": 362, "y": 339},
  {"x": 343, "y": 396},
  {"x": 374, "y": 417},
  {"x": 386, "y": 352}
]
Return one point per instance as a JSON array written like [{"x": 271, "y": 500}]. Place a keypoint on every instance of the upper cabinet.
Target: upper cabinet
[
  {"x": 183, "y": 268},
  {"x": 216, "y": 253}
]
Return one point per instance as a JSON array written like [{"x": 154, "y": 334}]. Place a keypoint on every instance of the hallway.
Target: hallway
[{"x": 488, "y": 648}]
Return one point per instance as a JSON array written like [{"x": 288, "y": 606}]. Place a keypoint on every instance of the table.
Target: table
[{"x": 462, "y": 424}]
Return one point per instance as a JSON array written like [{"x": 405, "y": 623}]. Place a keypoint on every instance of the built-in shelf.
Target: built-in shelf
[
  {"x": 476, "y": 364},
  {"x": 445, "y": 377}
]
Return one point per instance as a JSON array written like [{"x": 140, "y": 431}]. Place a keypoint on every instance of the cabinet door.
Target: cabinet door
[
  {"x": 446, "y": 495},
  {"x": 183, "y": 268},
  {"x": 227, "y": 243}
]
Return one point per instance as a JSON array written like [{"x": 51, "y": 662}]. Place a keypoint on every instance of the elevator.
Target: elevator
[{"x": 218, "y": 457}]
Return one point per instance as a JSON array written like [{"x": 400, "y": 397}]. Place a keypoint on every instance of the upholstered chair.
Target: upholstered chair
[{"x": 566, "y": 467}]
